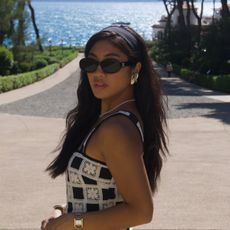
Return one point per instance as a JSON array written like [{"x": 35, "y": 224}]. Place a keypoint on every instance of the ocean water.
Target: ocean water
[{"x": 72, "y": 23}]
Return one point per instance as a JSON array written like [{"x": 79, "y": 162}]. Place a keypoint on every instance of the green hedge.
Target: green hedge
[
  {"x": 215, "y": 82},
  {"x": 11, "y": 82},
  {"x": 68, "y": 59}
]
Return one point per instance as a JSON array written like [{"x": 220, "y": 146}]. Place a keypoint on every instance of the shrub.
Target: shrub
[
  {"x": 19, "y": 80},
  {"x": 24, "y": 67},
  {"x": 187, "y": 74},
  {"x": 6, "y": 84},
  {"x": 15, "y": 81},
  {"x": 69, "y": 58},
  {"x": 223, "y": 83},
  {"x": 52, "y": 60},
  {"x": 6, "y": 60},
  {"x": 215, "y": 82},
  {"x": 206, "y": 80},
  {"x": 39, "y": 63}
]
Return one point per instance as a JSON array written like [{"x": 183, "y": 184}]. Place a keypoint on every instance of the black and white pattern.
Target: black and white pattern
[{"x": 90, "y": 185}]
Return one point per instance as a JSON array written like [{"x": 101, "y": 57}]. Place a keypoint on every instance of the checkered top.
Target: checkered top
[{"x": 90, "y": 185}]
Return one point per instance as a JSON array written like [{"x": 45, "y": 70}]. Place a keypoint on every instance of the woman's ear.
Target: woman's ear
[{"x": 137, "y": 67}]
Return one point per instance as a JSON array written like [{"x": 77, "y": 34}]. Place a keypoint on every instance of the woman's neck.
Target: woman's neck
[{"x": 107, "y": 108}]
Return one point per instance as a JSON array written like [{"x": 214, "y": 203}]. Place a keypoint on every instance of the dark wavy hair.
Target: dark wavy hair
[{"x": 149, "y": 101}]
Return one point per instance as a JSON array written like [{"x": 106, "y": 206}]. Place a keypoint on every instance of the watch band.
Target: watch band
[{"x": 78, "y": 222}]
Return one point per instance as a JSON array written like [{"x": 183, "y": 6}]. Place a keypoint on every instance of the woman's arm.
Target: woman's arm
[{"x": 121, "y": 146}]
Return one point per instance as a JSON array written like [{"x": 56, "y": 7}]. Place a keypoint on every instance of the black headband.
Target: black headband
[{"x": 125, "y": 34}]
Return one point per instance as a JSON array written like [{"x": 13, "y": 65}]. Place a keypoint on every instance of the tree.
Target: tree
[
  {"x": 6, "y": 60},
  {"x": 15, "y": 21},
  {"x": 181, "y": 20},
  {"x": 6, "y": 9},
  {"x": 36, "y": 30},
  {"x": 22, "y": 23},
  {"x": 199, "y": 20},
  {"x": 212, "y": 43},
  {"x": 170, "y": 6},
  {"x": 214, "y": 10},
  {"x": 177, "y": 46},
  {"x": 189, "y": 32},
  {"x": 225, "y": 13}
]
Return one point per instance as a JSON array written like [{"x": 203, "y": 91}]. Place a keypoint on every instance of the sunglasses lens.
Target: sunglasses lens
[
  {"x": 88, "y": 64},
  {"x": 110, "y": 65}
]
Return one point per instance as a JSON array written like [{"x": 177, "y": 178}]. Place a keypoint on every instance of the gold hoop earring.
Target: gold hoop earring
[{"x": 134, "y": 78}]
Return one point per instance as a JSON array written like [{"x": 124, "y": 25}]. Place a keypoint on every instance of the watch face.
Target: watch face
[{"x": 78, "y": 222}]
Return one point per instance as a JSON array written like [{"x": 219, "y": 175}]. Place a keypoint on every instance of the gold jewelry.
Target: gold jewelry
[
  {"x": 78, "y": 222},
  {"x": 124, "y": 102},
  {"x": 134, "y": 78}
]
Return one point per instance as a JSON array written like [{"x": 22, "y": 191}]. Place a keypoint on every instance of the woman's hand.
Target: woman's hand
[
  {"x": 62, "y": 222},
  {"x": 53, "y": 215}
]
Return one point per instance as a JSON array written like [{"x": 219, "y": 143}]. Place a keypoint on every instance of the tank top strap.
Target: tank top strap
[
  {"x": 135, "y": 121},
  {"x": 128, "y": 114}
]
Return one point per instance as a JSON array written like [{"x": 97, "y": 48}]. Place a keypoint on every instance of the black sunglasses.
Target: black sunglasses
[{"x": 109, "y": 65}]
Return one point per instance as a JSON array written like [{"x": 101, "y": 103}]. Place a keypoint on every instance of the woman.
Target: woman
[
  {"x": 169, "y": 68},
  {"x": 114, "y": 143}
]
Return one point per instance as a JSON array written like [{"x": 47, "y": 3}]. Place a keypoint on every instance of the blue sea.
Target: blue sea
[{"x": 73, "y": 22}]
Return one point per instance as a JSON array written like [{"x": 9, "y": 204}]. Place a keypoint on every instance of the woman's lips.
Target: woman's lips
[{"x": 99, "y": 85}]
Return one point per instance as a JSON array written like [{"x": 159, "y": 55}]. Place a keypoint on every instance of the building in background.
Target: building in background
[{"x": 159, "y": 28}]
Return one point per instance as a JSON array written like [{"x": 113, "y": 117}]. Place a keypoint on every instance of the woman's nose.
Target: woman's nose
[{"x": 99, "y": 69}]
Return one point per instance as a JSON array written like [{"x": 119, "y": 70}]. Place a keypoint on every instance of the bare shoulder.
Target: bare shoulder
[
  {"x": 120, "y": 131},
  {"x": 120, "y": 125}
]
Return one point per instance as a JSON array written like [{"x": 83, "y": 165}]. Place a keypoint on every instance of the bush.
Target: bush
[
  {"x": 187, "y": 74},
  {"x": 52, "y": 60},
  {"x": 159, "y": 53},
  {"x": 223, "y": 83},
  {"x": 39, "y": 63},
  {"x": 214, "y": 82},
  {"x": 24, "y": 67},
  {"x": 66, "y": 60},
  {"x": 19, "y": 80},
  {"x": 6, "y": 60},
  {"x": 6, "y": 84},
  {"x": 16, "y": 81}
]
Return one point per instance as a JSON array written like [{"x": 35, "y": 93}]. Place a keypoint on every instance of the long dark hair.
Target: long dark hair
[{"x": 149, "y": 102}]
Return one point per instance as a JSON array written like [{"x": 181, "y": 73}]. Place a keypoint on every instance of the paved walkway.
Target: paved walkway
[{"x": 195, "y": 188}]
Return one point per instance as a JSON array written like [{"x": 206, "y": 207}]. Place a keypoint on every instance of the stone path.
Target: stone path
[{"x": 194, "y": 193}]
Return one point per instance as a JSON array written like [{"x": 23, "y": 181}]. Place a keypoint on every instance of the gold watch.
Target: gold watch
[{"x": 78, "y": 222}]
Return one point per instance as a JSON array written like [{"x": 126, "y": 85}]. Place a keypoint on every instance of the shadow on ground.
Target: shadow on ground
[
  {"x": 183, "y": 88},
  {"x": 220, "y": 111},
  {"x": 190, "y": 100}
]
